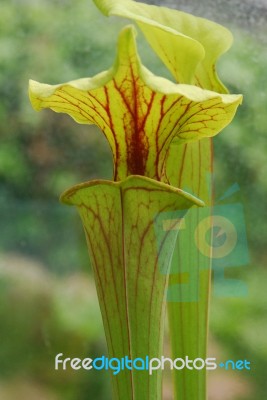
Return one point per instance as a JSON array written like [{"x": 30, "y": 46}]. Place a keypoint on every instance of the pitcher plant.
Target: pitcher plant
[{"x": 160, "y": 134}]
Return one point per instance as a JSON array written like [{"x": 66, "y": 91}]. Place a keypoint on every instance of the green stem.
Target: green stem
[{"x": 189, "y": 284}]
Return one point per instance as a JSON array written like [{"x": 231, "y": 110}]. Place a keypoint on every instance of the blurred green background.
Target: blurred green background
[{"x": 48, "y": 302}]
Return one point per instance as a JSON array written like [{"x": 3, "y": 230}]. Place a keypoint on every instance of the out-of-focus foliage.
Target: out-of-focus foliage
[
  {"x": 42, "y": 316},
  {"x": 240, "y": 157},
  {"x": 240, "y": 325},
  {"x": 43, "y": 154},
  {"x": 240, "y": 151}
]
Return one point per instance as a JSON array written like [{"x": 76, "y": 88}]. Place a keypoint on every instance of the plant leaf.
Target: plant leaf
[
  {"x": 119, "y": 221},
  {"x": 189, "y": 46},
  {"x": 190, "y": 166},
  {"x": 139, "y": 113}
]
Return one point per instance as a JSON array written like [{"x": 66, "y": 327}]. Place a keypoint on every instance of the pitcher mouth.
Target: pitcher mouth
[{"x": 132, "y": 181}]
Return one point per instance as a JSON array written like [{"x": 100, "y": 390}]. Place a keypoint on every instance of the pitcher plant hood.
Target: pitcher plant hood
[{"x": 140, "y": 113}]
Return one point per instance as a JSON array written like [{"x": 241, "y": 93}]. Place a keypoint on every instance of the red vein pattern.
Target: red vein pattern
[
  {"x": 140, "y": 114},
  {"x": 119, "y": 221}
]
